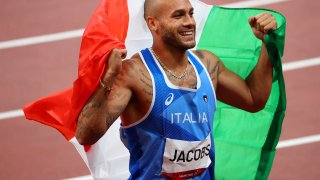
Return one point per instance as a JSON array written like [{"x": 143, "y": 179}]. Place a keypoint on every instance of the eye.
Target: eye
[
  {"x": 177, "y": 16},
  {"x": 191, "y": 14}
]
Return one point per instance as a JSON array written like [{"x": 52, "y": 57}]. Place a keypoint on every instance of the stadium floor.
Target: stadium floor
[{"x": 30, "y": 150}]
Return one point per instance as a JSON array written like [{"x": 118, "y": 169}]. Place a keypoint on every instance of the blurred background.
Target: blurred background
[{"x": 29, "y": 70}]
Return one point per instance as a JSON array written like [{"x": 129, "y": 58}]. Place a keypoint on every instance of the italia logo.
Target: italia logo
[{"x": 169, "y": 99}]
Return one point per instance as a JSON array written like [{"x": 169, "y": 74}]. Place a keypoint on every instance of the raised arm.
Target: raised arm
[
  {"x": 107, "y": 103},
  {"x": 252, "y": 93}
]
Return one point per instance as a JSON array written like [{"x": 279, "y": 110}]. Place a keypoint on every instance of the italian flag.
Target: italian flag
[{"x": 244, "y": 142}]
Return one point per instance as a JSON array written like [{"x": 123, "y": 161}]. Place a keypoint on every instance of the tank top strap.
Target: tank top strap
[{"x": 194, "y": 59}]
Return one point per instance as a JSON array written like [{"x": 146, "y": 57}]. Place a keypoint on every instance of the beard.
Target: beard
[{"x": 174, "y": 38}]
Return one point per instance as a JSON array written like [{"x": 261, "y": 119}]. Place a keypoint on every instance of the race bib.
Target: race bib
[{"x": 185, "y": 159}]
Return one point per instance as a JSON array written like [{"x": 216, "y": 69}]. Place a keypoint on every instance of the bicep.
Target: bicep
[{"x": 232, "y": 89}]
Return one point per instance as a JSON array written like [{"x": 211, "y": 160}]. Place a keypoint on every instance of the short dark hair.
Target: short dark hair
[{"x": 146, "y": 8}]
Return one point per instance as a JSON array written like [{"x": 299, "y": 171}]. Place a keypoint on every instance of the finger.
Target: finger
[
  {"x": 264, "y": 23},
  {"x": 262, "y": 18},
  {"x": 271, "y": 26},
  {"x": 119, "y": 53},
  {"x": 252, "y": 21},
  {"x": 123, "y": 53},
  {"x": 260, "y": 15}
]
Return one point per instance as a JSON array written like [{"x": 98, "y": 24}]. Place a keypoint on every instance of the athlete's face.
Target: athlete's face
[{"x": 177, "y": 25}]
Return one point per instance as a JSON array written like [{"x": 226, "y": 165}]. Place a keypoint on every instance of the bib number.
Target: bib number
[{"x": 186, "y": 159}]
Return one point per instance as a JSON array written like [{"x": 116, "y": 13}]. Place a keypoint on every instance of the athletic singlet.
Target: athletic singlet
[{"x": 174, "y": 139}]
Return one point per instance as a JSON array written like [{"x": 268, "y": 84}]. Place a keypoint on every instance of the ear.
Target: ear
[{"x": 152, "y": 24}]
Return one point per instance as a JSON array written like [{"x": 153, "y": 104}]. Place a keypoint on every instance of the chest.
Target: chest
[{"x": 181, "y": 105}]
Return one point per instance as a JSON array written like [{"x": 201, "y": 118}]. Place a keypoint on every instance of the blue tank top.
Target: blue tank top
[{"x": 174, "y": 139}]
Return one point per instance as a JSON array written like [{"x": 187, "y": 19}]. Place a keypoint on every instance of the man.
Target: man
[{"x": 166, "y": 96}]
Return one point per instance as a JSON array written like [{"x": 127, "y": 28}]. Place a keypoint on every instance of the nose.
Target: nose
[{"x": 189, "y": 21}]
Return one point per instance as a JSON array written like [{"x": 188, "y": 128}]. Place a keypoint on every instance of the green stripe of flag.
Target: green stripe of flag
[{"x": 245, "y": 142}]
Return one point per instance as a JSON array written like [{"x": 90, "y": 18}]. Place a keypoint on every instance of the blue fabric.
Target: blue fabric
[{"x": 146, "y": 140}]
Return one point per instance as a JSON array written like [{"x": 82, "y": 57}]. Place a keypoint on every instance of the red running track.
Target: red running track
[{"x": 32, "y": 151}]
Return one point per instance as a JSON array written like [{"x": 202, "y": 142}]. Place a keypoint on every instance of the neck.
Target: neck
[{"x": 174, "y": 58}]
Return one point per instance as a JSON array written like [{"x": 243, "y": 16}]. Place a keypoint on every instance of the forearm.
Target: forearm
[
  {"x": 260, "y": 80},
  {"x": 93, "y": 120}
]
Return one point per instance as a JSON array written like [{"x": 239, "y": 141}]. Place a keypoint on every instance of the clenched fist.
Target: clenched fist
[
  {"x": 261, "y": 24},
  {"x": 114, "y": 61}
]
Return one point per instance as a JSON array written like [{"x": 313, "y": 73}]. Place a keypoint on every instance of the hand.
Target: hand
[
  {"x": 262, "y": 24},
  {"x": 115, "y": 61}
]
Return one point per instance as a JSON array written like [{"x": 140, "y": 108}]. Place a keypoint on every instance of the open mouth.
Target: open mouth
[{"x": 186, "y": 33}]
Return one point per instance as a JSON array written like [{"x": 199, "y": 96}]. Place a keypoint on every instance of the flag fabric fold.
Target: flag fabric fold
[
  {"x": 245, "y": 142},
  {"x": 106, "y": 30}
]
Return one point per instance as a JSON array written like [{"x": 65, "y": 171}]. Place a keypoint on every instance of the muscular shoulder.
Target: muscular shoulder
[
  {"x": 204, "y": 53},
  {"x": 211, "y": 62},
  {"x": 132, "y": 70}
]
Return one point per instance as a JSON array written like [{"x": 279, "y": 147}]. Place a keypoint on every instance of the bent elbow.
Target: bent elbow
[
  {"x": 80, "y": 140},
  {"x": 257, "y": 107},
  {"x": 83, "y": 141},
  {"x": 88, "y": 139}
]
